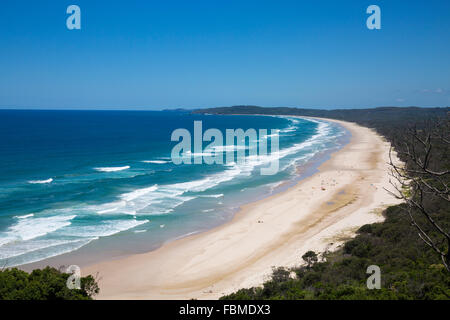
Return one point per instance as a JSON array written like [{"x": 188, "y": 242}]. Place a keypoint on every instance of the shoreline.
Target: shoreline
[
  {"x": 94, "y": 253},
  {"x": 318, "y": 213}
]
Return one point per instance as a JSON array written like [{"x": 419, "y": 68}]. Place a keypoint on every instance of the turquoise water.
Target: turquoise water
[{"x": 99, "y": 180}]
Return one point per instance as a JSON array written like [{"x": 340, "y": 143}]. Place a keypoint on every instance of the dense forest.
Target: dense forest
[
  {"x": 382, "y": 119},
  {"x": 411, "y": 246}
]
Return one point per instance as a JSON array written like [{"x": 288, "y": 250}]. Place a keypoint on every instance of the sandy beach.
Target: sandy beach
[{"x": 318, "y": 214}]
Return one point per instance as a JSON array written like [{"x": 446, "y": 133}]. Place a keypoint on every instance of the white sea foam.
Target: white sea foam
[
  {"x": 270, "y": 135},
  {"x": 107, "y": 210},
  {"x": 26, "y": 229},
  {"x": 25, "y": 216},
  {"x": 156, "y": 161},
  {"x": 310, "y": 145},
  {"x": 228, "y": 148},
  {"x": 41, "y": 181},
  {"x": 36, "y": 250},
  {"x": 213, "y": 195},
  {"x": 197, "y": 154},
  {"x": 164, "y": 198},
  {"x": 237, "y": 169},
  {"x": 130, "y": 196},
  {"x": 229, "y": 164},
  {"x": 112, "y": 169},
  {"x": 275, "y": 185},
  {"x": 102, "y": 229},
  {"x": 24, "y": 242},
  {"x": 289, "y": 129},
  {"x": 19, "y": 248},
  {"x": 209, "y": 181},
  {"x": 152, "y": 200}
]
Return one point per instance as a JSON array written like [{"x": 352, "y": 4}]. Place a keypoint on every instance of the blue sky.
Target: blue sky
[{"x": 138, "y": 54}]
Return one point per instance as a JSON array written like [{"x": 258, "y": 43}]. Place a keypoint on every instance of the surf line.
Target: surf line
[{"x": 182, "y": 152}]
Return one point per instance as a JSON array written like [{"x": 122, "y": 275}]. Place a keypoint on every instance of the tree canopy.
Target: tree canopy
[{"x": 43, "y": 284}]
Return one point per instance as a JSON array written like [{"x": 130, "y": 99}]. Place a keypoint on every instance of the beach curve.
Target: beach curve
[{"x": 315, "y": 214}]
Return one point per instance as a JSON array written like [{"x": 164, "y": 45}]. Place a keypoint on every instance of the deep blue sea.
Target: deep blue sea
[{"x": 103, "y": 181}]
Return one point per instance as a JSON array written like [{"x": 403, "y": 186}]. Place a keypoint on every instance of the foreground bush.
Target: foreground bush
[{"x": 45, "y": 284}]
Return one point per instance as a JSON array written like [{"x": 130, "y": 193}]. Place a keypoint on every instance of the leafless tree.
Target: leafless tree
[{"x": 424, "y": 176}]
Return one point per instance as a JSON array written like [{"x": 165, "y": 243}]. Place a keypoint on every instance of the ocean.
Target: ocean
[{"x": 102, "y": 184}]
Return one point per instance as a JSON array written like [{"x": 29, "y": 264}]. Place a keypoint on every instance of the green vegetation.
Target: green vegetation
[
  {"x": 310, "y": 258},
  {"x": 45, "y": 284}
]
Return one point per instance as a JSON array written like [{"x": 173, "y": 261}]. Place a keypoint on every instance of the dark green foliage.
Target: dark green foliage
[
  {"x": 280, "y": 274},
  {"x": 310, "y": 258},
  {"x": 45, "y": 284},
  {"x": 384, "y": 119}
]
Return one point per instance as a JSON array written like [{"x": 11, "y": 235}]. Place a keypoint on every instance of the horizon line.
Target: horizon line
[{"x": 199, "y": 108}]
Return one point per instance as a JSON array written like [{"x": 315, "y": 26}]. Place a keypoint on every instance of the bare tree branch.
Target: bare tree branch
[{"x": 423, "y": 176}]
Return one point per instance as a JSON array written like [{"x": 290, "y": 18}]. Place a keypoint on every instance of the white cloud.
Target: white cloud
[{"x": 437, "y": 90}]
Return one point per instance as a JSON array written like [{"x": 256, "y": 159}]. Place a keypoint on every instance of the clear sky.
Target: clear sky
[{"x": 139, "y": 54}]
